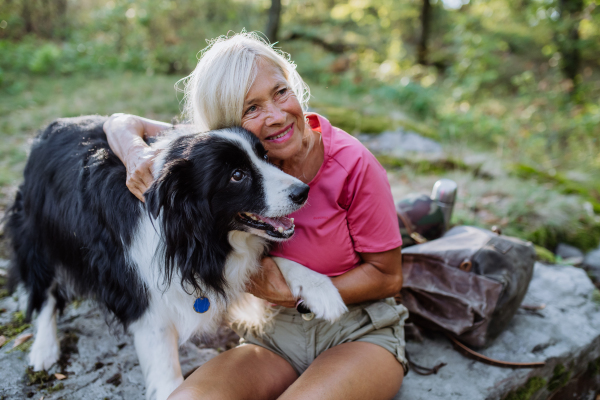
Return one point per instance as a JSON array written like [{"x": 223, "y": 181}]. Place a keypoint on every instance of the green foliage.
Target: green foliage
[
  {"x": 594, "y": 366},
  {"x": 560, "y": 377},
  {"x": 44, "y": 59},
  {"x": 533, "y": 385},
  {"x": 56, "y": 388},
  {"x": 544, "y": 255},
  {"x": 38, "y": 377},
  {"x": 495, "y": 81},
  {"x": 354, "y": 121},
  {"x": 596, "y": 299},
  {"x": 434, "y": 167},
  {"x": 590, "y": 191},
  {"x": 16, "y": 326},
  {"x": 526, "y": 209}
]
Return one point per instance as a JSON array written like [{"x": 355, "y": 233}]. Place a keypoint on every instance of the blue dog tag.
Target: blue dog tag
[{"x": 201, "y": 305}]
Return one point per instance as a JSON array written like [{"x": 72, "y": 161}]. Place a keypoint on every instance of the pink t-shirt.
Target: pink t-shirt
[{"x": 350, "y": 208}]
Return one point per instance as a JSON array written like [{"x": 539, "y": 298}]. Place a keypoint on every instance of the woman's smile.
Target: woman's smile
[{"x": 283, "y": 135}]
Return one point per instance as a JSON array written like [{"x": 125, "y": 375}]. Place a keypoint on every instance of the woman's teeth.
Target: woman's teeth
[{"x": 281, "y": 134}]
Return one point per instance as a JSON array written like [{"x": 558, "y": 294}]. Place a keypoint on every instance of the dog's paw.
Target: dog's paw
[
  {"x": 323, "y": 300},
  {"x": 317, "y": 290},
  {"x": 43, "y": 354}
]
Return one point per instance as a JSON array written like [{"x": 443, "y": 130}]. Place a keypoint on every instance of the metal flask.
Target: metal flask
[{"x": 444, "y": 194}]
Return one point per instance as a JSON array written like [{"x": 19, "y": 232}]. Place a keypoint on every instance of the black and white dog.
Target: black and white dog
[{"x": 168, "y": 269}]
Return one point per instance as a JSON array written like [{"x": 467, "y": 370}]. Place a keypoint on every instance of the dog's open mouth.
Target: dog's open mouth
[{"x": 279, "y": 227}]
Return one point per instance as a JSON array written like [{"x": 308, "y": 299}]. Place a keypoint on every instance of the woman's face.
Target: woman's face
[{"x": 273, "y": 114}]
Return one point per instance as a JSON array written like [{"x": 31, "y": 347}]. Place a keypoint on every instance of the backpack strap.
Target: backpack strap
[
  {"x": 486, "y": 360},
  {"x": 421, "y": 370},
  {"x": 416, "y": 236}
]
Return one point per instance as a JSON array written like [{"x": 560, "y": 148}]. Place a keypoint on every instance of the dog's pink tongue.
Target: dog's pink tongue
[{"x": 283, "y": 222}]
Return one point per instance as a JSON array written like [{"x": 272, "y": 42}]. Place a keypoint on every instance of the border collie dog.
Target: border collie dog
[{"x": 167, "y": 269}]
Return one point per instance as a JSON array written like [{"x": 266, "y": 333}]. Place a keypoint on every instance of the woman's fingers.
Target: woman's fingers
[
  {"x": 269, "y": 284},
  {"x": 139, "y": 170}
]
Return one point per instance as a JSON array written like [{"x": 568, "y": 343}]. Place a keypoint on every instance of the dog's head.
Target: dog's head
[{"x": 213, "y": 183}]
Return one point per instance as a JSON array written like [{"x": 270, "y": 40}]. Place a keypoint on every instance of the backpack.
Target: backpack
[{"x": 469, "y": 283}]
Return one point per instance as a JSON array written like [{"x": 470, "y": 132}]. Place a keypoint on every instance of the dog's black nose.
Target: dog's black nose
[{"x": 299, "y": 193}]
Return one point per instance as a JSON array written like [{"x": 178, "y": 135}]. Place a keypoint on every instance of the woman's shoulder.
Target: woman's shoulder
[{"x": 341, "y": 147}]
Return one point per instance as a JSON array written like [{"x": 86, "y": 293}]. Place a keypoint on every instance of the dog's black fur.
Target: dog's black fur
[{"x": 74, "y": 212}]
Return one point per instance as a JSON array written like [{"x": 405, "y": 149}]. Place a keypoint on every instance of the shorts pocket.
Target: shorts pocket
[{"x": 382, "y": 314}]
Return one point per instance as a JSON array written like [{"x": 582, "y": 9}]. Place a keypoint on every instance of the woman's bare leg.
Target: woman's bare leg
[
  {"x": 246, "y": 372},
  {"x": 356, "y": 370}
]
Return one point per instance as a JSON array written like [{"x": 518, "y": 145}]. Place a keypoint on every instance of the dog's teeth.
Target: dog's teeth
[
  {"x": 280, "y": 229},
  {"x": 292, "y": 219},
  {"x": 253, "y": 217}
]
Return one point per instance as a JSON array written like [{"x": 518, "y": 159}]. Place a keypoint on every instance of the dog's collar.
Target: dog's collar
[{"x": 201, "y": 305}]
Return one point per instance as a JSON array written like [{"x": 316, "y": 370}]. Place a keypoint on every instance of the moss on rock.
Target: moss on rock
[
  {"x": 560, "y": 378},
  {"x": 15, "y": 326},
  {"x": 544, "y": 255},
  {"x": 56, "y": 388},
  {"x": 530, "y": 388},
  {"x": 593, "y": 368},
  {"x": 38, "y": 377}
]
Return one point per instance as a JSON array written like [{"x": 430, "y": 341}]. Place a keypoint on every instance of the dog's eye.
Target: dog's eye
[
  {"x": 237, "y": 175},
  {"x": 266, "y": 157}
]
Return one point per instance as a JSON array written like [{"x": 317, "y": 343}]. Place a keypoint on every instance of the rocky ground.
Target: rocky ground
[{"x": 99, "y": 363}]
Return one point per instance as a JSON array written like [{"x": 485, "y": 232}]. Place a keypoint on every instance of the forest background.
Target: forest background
[{"x": 516, "y": 81}]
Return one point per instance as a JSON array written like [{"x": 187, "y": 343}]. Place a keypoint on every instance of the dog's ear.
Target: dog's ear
[
  {"x": 166, "y": 186},
  {"x": 191, "y": 242}
]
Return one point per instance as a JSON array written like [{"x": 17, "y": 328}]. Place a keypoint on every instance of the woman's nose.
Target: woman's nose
[{"x": 275, "y": 115}]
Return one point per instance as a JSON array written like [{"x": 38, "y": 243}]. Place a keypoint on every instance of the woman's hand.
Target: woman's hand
[
  {"x": 270, "y": 285},
  {"x": 139, "y": 162},
  {"x": 125, "y": 134}
]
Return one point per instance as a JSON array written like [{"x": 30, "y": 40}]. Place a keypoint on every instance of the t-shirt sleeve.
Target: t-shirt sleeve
[{"x": 371, "y": 214}]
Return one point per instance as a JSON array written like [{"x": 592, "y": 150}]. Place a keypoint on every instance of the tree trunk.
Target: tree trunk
[
  {"x": 567, "y": 39},
  {"x": 26, "y": 14},
  {"x": 425, "y": 19},
  {"x": 274, "y": 18}
]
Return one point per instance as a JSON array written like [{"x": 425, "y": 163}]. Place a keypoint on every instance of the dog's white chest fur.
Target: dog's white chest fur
[{"x": 172, "y": 302}]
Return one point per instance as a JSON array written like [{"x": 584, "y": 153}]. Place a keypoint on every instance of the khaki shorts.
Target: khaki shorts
[{"x": 300, "y": 340}]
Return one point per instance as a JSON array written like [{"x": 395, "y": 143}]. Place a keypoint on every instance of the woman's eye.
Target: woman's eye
[
  {"x": 251, "y": 109},
  {"x": 237, "y": 175}
]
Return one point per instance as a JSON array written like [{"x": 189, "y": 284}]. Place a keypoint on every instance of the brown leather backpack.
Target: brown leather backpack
[{"x": 469, "y": 283}]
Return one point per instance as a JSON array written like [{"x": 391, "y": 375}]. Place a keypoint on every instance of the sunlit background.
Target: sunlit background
[{"x": 509, "y": 88}]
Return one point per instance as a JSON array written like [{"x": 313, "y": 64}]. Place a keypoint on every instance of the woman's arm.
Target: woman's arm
[
  {"x": 125, "y": 134},
  {"x": 378, "y": 277}
]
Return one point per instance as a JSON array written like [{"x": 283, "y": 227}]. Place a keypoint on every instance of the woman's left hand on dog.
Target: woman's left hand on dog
[{"x": 270, "y": 285}]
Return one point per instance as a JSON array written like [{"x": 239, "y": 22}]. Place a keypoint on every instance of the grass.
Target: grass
[
  {"x": 523, "y": 208},
  {"x": 29, "y": 104}
]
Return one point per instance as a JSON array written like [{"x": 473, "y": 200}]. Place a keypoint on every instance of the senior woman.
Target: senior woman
[{"x": 348, "y": 231}]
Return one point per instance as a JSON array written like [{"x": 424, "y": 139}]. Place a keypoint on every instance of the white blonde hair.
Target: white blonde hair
[{"x": 214, "y": 92}]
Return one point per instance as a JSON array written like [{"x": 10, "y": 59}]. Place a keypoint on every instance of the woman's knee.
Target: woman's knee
[
  {"x": 183, "y": 394},
  {"x": 193, "y": 393}
]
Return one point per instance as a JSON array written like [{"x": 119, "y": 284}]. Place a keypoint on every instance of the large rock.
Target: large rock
[
  {"x": 591, "y": 262},
  {"x": 565, "y": 334},
  {"x": 402, "y": 144},
  {"x": 571, "y": 253}
]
